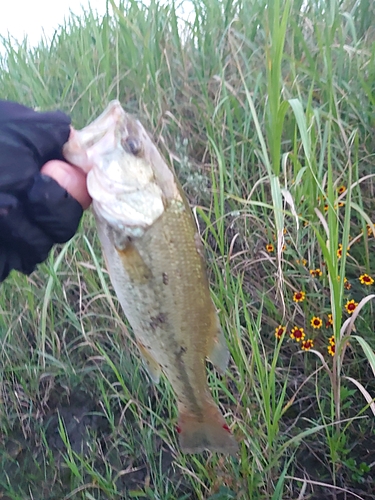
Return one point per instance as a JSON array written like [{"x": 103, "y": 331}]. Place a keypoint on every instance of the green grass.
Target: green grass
[{"x": 264, "y": 112}]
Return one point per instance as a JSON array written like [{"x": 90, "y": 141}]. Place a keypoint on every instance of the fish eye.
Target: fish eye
[{"x": 133, "y": 145}]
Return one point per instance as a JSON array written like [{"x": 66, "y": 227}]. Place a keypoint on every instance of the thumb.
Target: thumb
[{"x": 70, "y": 178}]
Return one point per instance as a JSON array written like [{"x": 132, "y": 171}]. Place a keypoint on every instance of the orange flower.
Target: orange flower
[
  {"x": 270, "y": 248},
  {"x": 297, "y": 334},
  {"x": 316, "y": 322},
  {"x": 365, "y": 279},
  {"x": 299, "y": 296},
  {"x": 307, "y": 344},
  {"x": 350, "y": 306},
  {"x": 279, "y": 331}
]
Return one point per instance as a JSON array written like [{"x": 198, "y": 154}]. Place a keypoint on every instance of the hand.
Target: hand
[{"x": 35, "y": 210}]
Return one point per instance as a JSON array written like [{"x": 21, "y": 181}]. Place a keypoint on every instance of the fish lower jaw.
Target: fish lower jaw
[{"x": 132, "y": 225}]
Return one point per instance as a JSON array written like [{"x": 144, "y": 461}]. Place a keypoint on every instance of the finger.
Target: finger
[{"x": 70, "y": 178}]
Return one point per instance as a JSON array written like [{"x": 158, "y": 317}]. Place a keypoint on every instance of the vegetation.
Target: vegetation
[{"x": 265, "y": 109}]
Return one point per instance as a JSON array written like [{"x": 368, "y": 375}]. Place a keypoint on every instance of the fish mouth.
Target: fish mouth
[{"x": 112, "y": 119}]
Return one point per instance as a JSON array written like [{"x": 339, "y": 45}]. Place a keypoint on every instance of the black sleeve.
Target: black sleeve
[
  {"x": 28, "y": 139},
  {"x": 35, "y": 212}
]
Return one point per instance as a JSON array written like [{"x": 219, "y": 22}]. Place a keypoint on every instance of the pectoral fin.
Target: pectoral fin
[
  {"x": 151, "y": 365},
  {"x": 219, "y": 353}
]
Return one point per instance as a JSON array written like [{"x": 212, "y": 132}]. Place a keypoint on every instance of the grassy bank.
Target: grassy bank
[{"x": 267, "y": 115}]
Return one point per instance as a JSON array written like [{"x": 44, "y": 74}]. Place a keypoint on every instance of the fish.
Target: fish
[{"x": 155, "y": 259}]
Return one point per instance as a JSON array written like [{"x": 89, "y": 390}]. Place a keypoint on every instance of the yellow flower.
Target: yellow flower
[
  {"x": 297, "y": 334},
  {"x": 299, "y": 296},
  {"x": 331, "y": 349},
  {"x": 350, "y": 306},
  {"x": 316, "y": 272},
  {"x": 279, "y": 331},
  {"x": 365, "y": 279},
  {"x": 303, "y": 262},
  {"x": 270, "y": 248},
  {"x": 316, "y": 322},
  {"x": 329, "y": 321},
  {"x": 307, "y": 344},
  {"x": 345, "y": 279},
  {"x": 331, "y": 340},
  {"x": 341, "y": 189},
  {"x": 339, "y": 251}
]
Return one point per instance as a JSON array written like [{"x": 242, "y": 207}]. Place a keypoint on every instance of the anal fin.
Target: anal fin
[
  {"x": 151, "y": 365},
  {"x": 219, "y": 353}
]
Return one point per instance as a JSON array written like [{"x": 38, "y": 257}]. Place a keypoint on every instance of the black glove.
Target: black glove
[{"x": 35, "y": 212}]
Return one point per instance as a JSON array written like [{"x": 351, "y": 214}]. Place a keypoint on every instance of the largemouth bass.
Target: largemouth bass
[{"x": 155, "y": 261}]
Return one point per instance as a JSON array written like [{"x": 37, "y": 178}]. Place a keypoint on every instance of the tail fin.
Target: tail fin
[{"x": 210, "y": 433}]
